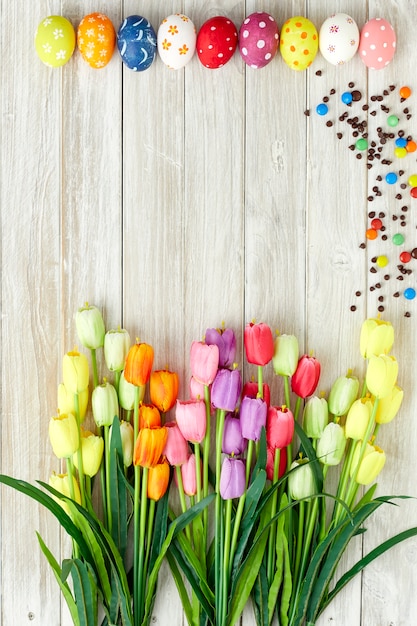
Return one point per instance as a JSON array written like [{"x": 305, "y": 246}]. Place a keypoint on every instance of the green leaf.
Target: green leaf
[
  {"x": 182, "y": 592},
  {"x": 160, "y": 528},
  {"x": 118, "y": 495},
  {"x": 311, "y": 455},
  {"x": 261, "y": 454},
  {"x": 260, "y": 597},
  {"x": 85, "y": 591}
]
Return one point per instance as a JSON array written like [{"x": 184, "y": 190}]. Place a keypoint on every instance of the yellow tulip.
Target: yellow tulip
[
  {"x": 126, "y": 434},
  {"x": 357, "y": 419},
  {"x": 75, "y": 371},
  {"x": 116, "y": 347},
  {"x": 63, "y": 434},
  {"x": 66, "y": 401},
  {"x": 60, "y": 482},
  {"x": 381, "y": 375},
  {"x": 373, "y": 461},
  {"x": 376, "y": 337},
  {"x": 105, "y": 404},
  {"x": 388, "y": 407},
  {"x": 92, "y": 448}
]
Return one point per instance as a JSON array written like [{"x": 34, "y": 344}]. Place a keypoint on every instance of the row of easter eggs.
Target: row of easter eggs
[{"x": 177, "y": 40}]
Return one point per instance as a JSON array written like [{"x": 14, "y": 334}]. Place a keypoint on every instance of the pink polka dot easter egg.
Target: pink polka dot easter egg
[
  {"x": 377, "y": 43},
  {"x": 176, "y": 41},
  {"x": 216, "y": 42},
  {"x": 338, "y": 38},
  {"x": 299, "y": 42},
  {"x": 258, "y": 39}
]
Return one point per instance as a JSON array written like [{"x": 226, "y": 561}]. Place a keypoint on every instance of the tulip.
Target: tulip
[
  {"x": 188, "y": 473},
  {"x": 381, "y": 375},
  {"x": 253, "y": 412},
  {"x": 377, "y": 337},
  {"x": 225, "y": 340},
  {"x": 63, "y": 434},
  {"x": 315, "y": 416},
  {"x": 226, "y": 389},
  {"x": 191, "y": 419},
  {"x": 251, "y": 389},
  {"x": 197, "y": 389},
  {"x": 232, "y": 478},
  {"x": 389, "y": 406},
  {"x": 158, "y": 480},
  {"x": 301, "y": 481},
  {"x": 90, "y": 327},
  {"x": 66, "y": 401},
  {"x": 270, "y": 461},
  {"x": 75, "y": 372},
  {"x": 373, "y": 460},
  {"x": 149, "y": 416},
  {"x": 342, "y": 393},
  {"x": 60, "y": 482},
  {"x": 331, "y": 445},
  {"x": 176, "y": 447},
  {"x": 127, "y": 393},
  {"x": 105, "y": 404},
  {"x": 92, "y": 448},
  {"x": 204, "y": 360},
  {"x": 116, "y": 347},
  {"x": 259, "y": 343},
  {"x": 126, "y": 435},
  {"x": 138, "y": 364},
  {"x": 233, "y": 440},
  {"x": 163, "y": 389},
  {"x": 306, "y": 376},
  {"x": 357, "y": 419},
  {"x": 285, "y": 357},
  {"x": 149, "y": 446},
  {"x": 279, "y": 427}
]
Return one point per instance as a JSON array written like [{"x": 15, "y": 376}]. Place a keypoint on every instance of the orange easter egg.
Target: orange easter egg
[{"x": 96, "y": 39}]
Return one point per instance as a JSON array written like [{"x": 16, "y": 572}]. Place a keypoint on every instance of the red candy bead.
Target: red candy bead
[
  {"x": 376, "y": 223},
  {"x": 405, "y": 257},
  {"x": 413, "y": 192}
]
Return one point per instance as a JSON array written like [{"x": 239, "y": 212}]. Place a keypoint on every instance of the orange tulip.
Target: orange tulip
[
  {"x": 149, "y": 446},
  {"x": 138, "y": 364},
  {"x": 163, "y": 389},
  {"x": 158, "y": 479},
  {"x": 149, "y": 416}
]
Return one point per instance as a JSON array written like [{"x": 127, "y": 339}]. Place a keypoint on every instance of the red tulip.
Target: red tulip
[
  {"x": 306, "y": 376},
  {"x": 270, "y": 458},
  {"x": 176, "y": 447},
  {"x": 251, "y": 389},
  {"x": 279, "y": 427},
  {"x": 259, "y": 343}
]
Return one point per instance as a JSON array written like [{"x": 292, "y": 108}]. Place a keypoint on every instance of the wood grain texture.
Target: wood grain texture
[{"x": 174, "y": 201}]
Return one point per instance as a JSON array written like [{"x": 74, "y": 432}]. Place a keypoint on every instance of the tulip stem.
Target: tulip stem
[
  {"x": 107, "y": 470},
  {"x": 260, "y": 382},
  {"x": 226, "y": 557},
  {"x": 182, "y": 498},
  {"x": 94, "y": 364},
  {"x": 197, "y": 453},
  {"x": 249, "y": 455},
  {"x": 287, "y": 391},
  {"x": 219, "y": 545},
  {"x": 273, "y": 529},
  {"x": 70, "y": 471},
  {"x": 206, "y": 454},
  {"x": 142, "y": 534},
  {"x": 149, "y": 528},
  {"x": 79, "y": 451},
  {"x": 136, "y": 518}
]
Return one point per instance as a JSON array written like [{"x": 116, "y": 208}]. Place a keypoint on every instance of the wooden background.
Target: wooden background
[{"x": 174, "y": 201}]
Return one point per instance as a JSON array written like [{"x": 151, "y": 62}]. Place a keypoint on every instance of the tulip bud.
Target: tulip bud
[
  {"x": 233, "y": 440},
  {"x": 343, "y": 392},
  {"x": 381, "y": 375},
  {"x": 66, "y": 401},
  {"x": 60, "y": 482},
  {"x": 127, "y": 394},
  {"x": 331, "y": 445},
  {"x": 232, "y": 478},
  {"x": 105, "y": 404},
  {"x": 126, "y": 434},
  {"x": 189, "y": 476},
  {"x": 163, "y": 389},
  {"x": 138, "y": 366},
  {"x": 75, "y": 372},
  {"x": 389, "y": 406},
  {"x": 158, "y": 480},
  {"x": 149, "y": 416},
  {"x": 301, "y": 482},
  {"x": 372, "y": 462},
  {"x": 204, "y": 360},
  {"x": 191, "y": 419},
  {"x": 116, "y": 347},
  {"x": 253, "y": 412},
  {"x": 176, "y": 447},
  {"x": 149, "y": 446},
  {"x": 377, "y": 337},
  {"x": 315, "y": 416},
  {"x": 270, "y": 462},
  {"x": 225, "y": 340},
  {"x": 279, "y": 427},
  {"x": 306, "y": 376},
  {"x": 259, "y": 343},
  {"x": 226, "y": 389},
  {"x": 285, "y": 357},
  {"x": 92, "y": 448},
  {"x": 357, "y": 419},
  {"x": 90, "y": 327},
  {"x": 63, "y": 434}
]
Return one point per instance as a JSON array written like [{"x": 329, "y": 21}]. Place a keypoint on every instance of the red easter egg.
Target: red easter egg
[{"x": 216, "y": 42}]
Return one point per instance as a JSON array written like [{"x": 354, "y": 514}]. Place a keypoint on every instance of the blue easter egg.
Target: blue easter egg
[{"x": 136, "y": 42}]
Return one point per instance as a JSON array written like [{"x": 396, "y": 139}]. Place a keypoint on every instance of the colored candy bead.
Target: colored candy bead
[
  {"x": 346, "y": 97},
  {"x": 405, "y": 257},
  {"x": 391, "y": 178},
  {"x": 398, "y": 239},
  {"x": 371, "y": 233},
  {"x": 400, "y": 153},
  {"x": 405, "y": 92},
  {"x": 322, "y": 109},
  {"x": 376, "y": 223},
  {"x": 409, "y": 293},
  {"x": 412, "y": 180},
  {"x": 382, "y": 261},
  {"x": 411, "y": 146},
  {"x": 401, "y": 142},
  {"x": 413, "y": 192},
  {"x": 392, "y": 120},
  {"x": 361, "y": 144}
]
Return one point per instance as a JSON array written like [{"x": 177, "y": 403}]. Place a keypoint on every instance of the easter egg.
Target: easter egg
[
  {"x": 136, "y": 42},
  {"x": 377, "y": 43},
  {"x": 338, "y": 38},
  {"x": 299, "y": 42},
  {"x": 55, "y": 40},
  {"x": 216, "y": 42},
  {"x": 258, "y": 39},
  {"x": 96, "y": 39},
  {"x": 176, "y": 40}
]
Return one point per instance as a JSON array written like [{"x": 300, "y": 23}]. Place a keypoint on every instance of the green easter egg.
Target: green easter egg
[{"x": 55, "y": 40}]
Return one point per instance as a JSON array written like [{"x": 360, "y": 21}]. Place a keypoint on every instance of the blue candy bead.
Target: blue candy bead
[
  {"x": 401, "y": 142},
  {"x": 346, "y": 97},
  {"x": 409, "y": 293},
  {"x": 391, "y": 178},
  {"x": 322, "y": 109},
  {"x": 136, "y": 42}
]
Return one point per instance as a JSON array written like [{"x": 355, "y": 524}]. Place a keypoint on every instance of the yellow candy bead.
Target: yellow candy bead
[
  {"x": 412, "y": 181},
  {"x": 400, "y": 153},
  {"x": 382, "y": 261}
]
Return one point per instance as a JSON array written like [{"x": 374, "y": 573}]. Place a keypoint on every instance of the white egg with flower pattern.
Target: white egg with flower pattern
[{"x": 176, "y": 40}]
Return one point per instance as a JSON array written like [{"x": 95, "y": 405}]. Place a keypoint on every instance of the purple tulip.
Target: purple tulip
[
  {"x": 232, "y": 478},
  {"x": 253, "y": 412},
  {"x": 225, "y": 340},
  {"x": 226, "y": 389},
  {"x": 233, "y": 440}
]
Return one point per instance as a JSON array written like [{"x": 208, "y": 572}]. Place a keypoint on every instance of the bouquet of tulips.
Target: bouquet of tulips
[{"x": 227, "y": 486}]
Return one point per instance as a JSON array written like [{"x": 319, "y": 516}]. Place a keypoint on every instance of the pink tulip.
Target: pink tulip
[
  {"x": 204, "y": 360},
  {"x": 306, "y": 376},
  {"x": 188, "y": 472},
  {"x": 176, "y": 447},
  {"x": 259, "y": 343},
  {"x": 196, "y": 389},
  {"x": 191, "y": 419},
  {"x": 279, "y": 427}
]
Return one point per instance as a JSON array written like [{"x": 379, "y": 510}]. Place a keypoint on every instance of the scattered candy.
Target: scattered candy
[
  {"x": 405, "y": 92},
  {"x": 398, "y": 239},
  {"x": 391, "y": 178},
  {"x": 392, "y": 120},
  {"x": 361, "y": 144},
  {"x": 371, "y": 233},
  {"x": 346, "y": 97},
  {"x": 412, "y": 180},
  {"x": 409, "y": 293},
  {"x": 400, "y": 153},
  {"x": 322, "y": 109},
  {"x": 405, "y": 257},
  {"x": 413, "y": 192},
  {"x": 376, "y": 223},
  {"x": 401, "y": 142},
  {"x": 382, "y": 261},
  {"x": 411, "y": 146}
]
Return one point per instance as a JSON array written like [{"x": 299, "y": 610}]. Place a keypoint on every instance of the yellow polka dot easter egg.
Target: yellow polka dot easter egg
[
  {"x": 299, "y": 43},
  {"x": 55, "y": 40},
  {"x": 96, "y": 39}
]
